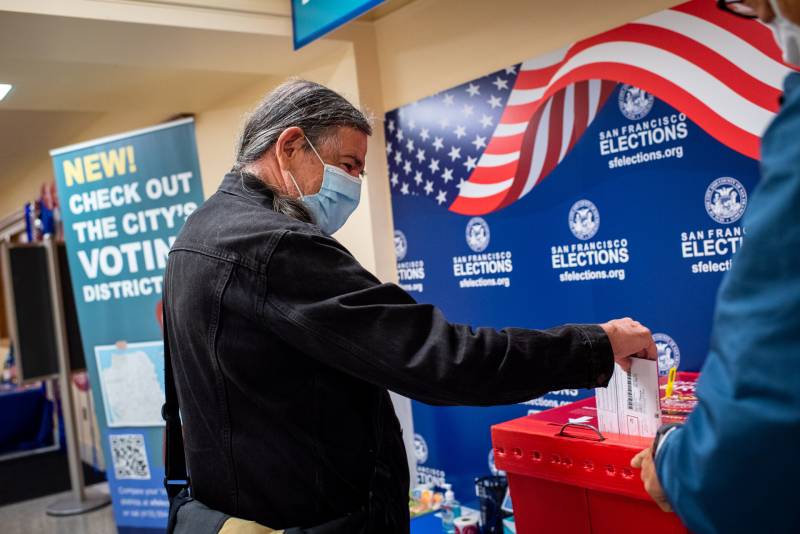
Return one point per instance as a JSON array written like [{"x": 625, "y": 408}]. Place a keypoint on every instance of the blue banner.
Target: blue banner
[
  {"x": 311, "y": 19},
  {"x": 124, "y": 199},
  {"x": 579, "y": 187}
]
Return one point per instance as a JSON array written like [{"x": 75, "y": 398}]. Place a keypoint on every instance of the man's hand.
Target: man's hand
[
  {"x": 629, "y": 338},
  {"x": 644, "y": 461}
]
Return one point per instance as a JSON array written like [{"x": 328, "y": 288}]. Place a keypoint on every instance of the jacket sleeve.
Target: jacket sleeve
[
  {"x": 322, "y": 302},
  {"x": 733, "y": 467}
]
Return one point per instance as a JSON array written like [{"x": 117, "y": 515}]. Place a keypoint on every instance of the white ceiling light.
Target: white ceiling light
[{"x": 4, "y": 89}]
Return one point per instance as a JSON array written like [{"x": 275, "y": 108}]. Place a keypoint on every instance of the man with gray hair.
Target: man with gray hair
[{"x": 284, "y": 346}]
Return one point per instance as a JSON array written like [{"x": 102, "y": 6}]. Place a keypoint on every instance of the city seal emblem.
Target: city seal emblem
[
  {"x": 635, "y": 103},
  {"x": 400, "y": 245},
  {"x": 726, "y": 200},
  {"x": 478, "y": 234},
  {"x": 669, "y": 355},
  {"x": 584, "y": 219},
  {"x": 420, "y": 449}
]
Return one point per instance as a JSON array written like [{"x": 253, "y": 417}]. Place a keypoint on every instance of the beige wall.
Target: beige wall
[
  {"x": 24, "y": 187},
  {"x": 431, "y": 45},
  {"x": 217, "y": 129}
]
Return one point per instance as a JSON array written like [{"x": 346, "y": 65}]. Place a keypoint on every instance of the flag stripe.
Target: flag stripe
[
  {"x": 538, "y": 141},
  {"x": 567, "y": 121},
  {"x": 544, "y": 169},
  {"x": 515, "y": 114},
  {"x": 528, "y": 157},
  {"x": 761, "y": 66},
  {"x": 504, "y": 145},
  {"x": 493, "y": 175},
  {"x": 513, "y": 129},
  {"x": 526, "y": 96},
  {"x": 594, "y": 98},
  {"x": 473, "y": 190},
  {"x": 718, "y": 96},
  {"x": 478, "y": 205},
  {"x": 532, "y": 79},
  {"x": 497, "y": 160},
  {"x": 723, "y": 72},
  {"x": 544, "y": 61},
  {"x": 735, "y": 108},
  {"x": 581, "y": 111},
  {"x": 754, "y": 33},
  {"x": 715, "y": 64},
  {"x": 716, "y": 125},
  {"x": 554, "y": 125}
]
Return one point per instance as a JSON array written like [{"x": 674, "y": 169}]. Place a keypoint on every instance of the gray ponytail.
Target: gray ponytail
[{"x": 315, "y": 109}]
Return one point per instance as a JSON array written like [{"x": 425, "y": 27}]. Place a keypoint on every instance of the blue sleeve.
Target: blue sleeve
[{"x": 734, "y": 466}]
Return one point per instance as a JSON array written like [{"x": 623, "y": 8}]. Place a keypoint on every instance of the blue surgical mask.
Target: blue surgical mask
[{"x": 337, "y": 198}]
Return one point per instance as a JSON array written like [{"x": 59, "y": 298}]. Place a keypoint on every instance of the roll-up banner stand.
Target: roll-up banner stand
[{"x": 123, "y": 200}]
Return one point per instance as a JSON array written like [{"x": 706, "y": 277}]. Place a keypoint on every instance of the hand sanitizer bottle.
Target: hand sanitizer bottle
[{"x": 451, "y": 509}]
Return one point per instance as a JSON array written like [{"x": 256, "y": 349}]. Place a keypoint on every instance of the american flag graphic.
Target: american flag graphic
[{"x": 483, "y": 145}]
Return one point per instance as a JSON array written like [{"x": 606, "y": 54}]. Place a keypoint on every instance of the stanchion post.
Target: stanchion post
[{"x": 81, "y": 500}]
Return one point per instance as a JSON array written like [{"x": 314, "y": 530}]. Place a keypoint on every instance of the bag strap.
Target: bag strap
[
  {"x": 175, "y": 476},
  {"x": 380, "y": 470}
]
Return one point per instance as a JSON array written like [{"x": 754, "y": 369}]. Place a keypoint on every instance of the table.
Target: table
[{"x": 26, "y": 419}]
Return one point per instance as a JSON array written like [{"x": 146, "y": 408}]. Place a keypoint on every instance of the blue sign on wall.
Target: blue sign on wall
[
  {"x": 603, "y": 180},
  {"x": 311, "y": 19},
  {"x": 124, "y": 199}
]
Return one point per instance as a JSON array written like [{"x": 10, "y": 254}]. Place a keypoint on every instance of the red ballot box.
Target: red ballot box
[{"x": 565, "y": 477}]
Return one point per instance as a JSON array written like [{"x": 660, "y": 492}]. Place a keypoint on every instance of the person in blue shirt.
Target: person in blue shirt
[{"x": 735, "y": 466}]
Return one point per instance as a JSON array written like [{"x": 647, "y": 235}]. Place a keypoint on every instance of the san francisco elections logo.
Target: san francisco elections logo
[
  {"x": 400, "y": 245},
  {"x": 726, "y": 200},
  {"x": 669, "y": 355},
  {"x": 478, "y": 234},
  {"x": 420, "y": 449},
  {"x": 635, "y": 103},
  {"x": 584, "y": 219},
  {"x": 492, "y": 466}
]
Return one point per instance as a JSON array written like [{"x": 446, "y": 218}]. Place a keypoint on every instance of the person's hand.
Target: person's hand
[
  {"x": 629, "y": 339},
  {"x": 644, "y": 461}
]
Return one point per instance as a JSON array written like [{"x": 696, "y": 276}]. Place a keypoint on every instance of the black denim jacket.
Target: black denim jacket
[{"x": 284, "y": 348}]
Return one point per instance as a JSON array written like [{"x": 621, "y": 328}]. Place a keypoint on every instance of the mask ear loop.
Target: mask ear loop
[
  {"x": 300, "y": 191},
  {"x": 291, "y": 176},
  {"x": 315, "y": 150},
  {"x": 325, "y": 165}
]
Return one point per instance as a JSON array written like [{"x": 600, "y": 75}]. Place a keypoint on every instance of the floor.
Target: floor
[
  {"x": 39, "y": 475},
  {"x": 29, "y": 517}
]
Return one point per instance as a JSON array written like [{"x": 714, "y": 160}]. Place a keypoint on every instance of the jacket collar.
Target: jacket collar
[{"x": 248, "y": 187}]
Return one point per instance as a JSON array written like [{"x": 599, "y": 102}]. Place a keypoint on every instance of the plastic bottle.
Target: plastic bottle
[
  {"x": 427, "y": 496},
  {"x": 7, "y": 365},
  {"x": 451, "y": 509}
]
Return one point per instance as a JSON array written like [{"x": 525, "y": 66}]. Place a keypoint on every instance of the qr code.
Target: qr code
[{"x": 129, "y": 457}]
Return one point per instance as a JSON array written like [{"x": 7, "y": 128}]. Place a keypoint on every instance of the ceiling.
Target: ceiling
[
  {"x": 389, "y": 6},
  {"x": 178, "y": 56},
  {"x": 83, "y": 64}
]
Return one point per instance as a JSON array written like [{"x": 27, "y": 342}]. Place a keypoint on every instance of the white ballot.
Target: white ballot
[{"x": 629, "y": 405}]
